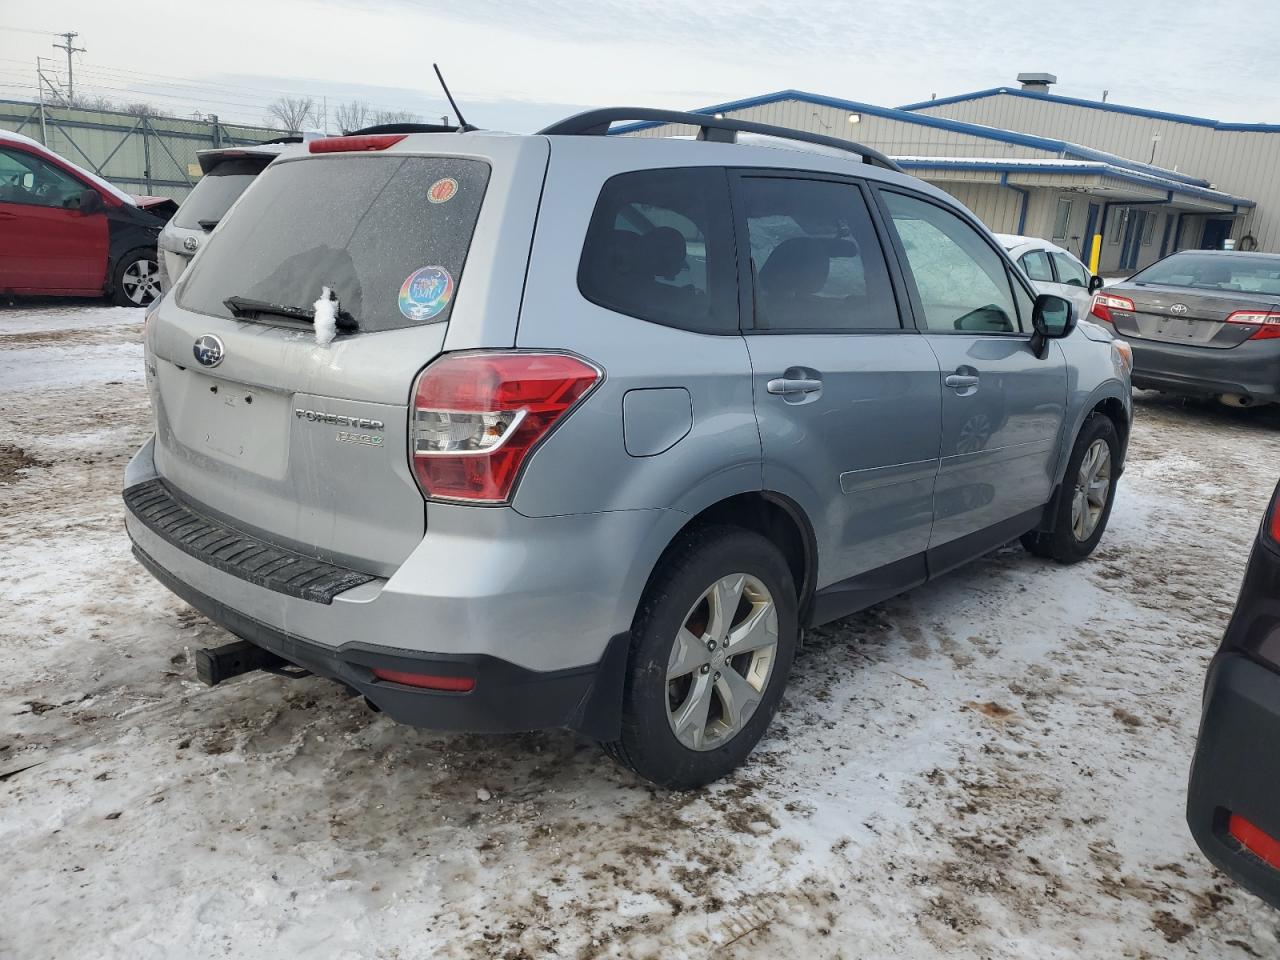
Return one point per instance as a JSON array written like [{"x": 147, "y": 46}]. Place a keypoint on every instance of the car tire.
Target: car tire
[
  {"x": 1069, "y": 540},
  {"x": 679, "y": 615},
  {"x": 135, "y": 282}
]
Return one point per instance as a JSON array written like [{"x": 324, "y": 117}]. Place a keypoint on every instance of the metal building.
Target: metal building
[{"x": 1029, "y": 162}]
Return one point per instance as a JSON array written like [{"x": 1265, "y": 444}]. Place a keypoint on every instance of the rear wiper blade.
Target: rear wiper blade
[
  {"x": 208, "y": 225},
  {"x": 246, "y": 308}
]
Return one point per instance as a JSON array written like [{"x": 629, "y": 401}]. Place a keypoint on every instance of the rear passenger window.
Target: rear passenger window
[
  {"x": 961, "y": 281},
  {"x": 1070, "y": 270},
  {"x": 816, "y": 261},
  {"x": 1036, "y": 263},
  {"x": 660, "y": 248}
]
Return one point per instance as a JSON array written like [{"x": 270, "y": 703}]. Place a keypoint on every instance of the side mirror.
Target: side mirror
[
  {"x": 90, "y": 202},
  {"x": 1053, "y": 318},
  {"x": 1095, "y": 283}
]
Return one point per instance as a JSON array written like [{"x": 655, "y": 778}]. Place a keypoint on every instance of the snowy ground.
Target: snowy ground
[{"x": 992, "y": 766}]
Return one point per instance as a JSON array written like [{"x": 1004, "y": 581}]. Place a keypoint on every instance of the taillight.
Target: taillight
[
  {"x": 1268, "y": 322},
  {"x": 369, "y": 141},
  {"x": 1273, "y": 528},
  {"x": 1261, "y": 844},
  {"x": 1104, "y": 303},
  {"x": 477, "y": 417},
  {"x": 427, "y": 681}
]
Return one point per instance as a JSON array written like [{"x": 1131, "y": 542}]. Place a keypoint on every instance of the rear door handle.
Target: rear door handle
[
  {"x": 960, "y": 381},
  {"x": 789, "y": 385}
]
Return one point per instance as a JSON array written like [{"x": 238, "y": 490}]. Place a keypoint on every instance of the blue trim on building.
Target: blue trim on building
[
  {"x": 1047, "y": 144},
  {"x": 1100, "y": 169},
  {"x": 1098, "y": 105},
  {"x": 1022, "y": 207}
]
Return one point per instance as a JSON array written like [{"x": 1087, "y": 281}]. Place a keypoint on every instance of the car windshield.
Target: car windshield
[
  {"x": 1208, "y": 271},
  {"x": 217, "y": 191}
]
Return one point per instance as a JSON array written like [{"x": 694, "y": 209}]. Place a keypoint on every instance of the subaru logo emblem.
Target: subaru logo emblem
[
  {"x": 208, "y": 350},
  {"x": 1178, "y": 308},
  {"x": 190, "y": 243}
]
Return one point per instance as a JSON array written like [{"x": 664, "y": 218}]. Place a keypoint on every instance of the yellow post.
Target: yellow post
[{"x": 1095, "y": 253}]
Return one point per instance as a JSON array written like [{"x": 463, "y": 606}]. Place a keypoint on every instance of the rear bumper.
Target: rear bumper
[
  {"x": 533, "y": 607},
  {"x": 506, "y": 698},
  {"x": 1250, "y": 369},
  {"x": 1237, "y": 769}
]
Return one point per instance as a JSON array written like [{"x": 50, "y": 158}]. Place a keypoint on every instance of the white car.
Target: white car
[
  {"x": 1053, "y": 270},
  {"x": 226, "y": 172}
]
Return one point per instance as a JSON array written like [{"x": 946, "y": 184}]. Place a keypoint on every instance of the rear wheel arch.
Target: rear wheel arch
[{"x": 775, "y": 517}]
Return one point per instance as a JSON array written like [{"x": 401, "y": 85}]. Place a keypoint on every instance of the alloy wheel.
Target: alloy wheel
[
  {"x": 141, "y": 281},
  {"x": 1093, "y": 486},
  {"x": 721, "y": 661}
]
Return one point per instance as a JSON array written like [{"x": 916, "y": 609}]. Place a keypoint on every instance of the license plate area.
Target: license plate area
[{"x": 227, "y": 421}]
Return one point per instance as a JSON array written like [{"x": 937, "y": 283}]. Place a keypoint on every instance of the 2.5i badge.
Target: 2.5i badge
[{"x": 425, "y": 293}]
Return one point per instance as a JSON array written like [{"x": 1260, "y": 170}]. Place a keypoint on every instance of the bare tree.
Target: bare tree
[
  {"x": 292, "y": 113},
  {"x": 84, "y": 102},
  {"x": 395, "y": 116},
  {"x": 143, "y": 110},
  {"x": 352, "y": 115}
]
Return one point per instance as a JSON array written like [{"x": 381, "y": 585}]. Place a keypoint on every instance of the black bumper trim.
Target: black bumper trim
[
  {"x": 1237, "y": 769},
  {"x": 507, "y": 698},
  {"x": 239, "y": 554}
]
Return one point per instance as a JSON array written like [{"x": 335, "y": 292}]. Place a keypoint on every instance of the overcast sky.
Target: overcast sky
[{"x": 519, "y": 65}]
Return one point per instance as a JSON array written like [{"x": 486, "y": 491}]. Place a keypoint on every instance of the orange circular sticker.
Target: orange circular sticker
[{"x": 442, "y": 190}]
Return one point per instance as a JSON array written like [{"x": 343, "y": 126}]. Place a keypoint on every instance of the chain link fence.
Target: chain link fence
[{"x": 140, "y": 154}]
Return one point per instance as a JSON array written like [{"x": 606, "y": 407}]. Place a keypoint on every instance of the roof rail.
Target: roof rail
[
  {"x": 595, "y": 123},
  {"x": 402, "y": 128}
]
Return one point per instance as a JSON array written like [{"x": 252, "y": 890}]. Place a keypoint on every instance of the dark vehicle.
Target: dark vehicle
[
  {"x": 1202, "y": 323},
  {"x": 66, "y": 232},
  {"x": 1233, "y": 805}
]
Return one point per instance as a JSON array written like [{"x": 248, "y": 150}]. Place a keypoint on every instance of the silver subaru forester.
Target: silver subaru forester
[{"x": 574, "y": 430}]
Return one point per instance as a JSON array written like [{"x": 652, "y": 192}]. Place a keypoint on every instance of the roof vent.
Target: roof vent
[{"x": 1037, "y": 82}]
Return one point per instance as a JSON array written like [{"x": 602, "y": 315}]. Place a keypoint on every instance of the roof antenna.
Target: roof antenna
[{"x": 463, "y": 126}]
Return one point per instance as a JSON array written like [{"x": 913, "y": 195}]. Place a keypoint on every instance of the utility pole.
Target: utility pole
[
  {"x": 71, "y": 48},
  {"x": 44, "y": 132}
]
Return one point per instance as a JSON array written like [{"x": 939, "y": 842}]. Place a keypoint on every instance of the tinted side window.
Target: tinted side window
[
  {"x": 1036, "y": 263},
  {"x": 660, "y": 247},
  {"x": 960, "y": 280},
  {"x": 28, "y": 179},
  {"x": 1070, "y": 270},
  {"x": 816, "y": 261}
]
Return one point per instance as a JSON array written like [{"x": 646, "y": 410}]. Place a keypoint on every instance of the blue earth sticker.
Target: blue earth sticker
[{"x": 425, "y": 293}]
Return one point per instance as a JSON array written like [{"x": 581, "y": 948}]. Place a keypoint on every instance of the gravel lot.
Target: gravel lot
[{"x": 991, "y": 766}]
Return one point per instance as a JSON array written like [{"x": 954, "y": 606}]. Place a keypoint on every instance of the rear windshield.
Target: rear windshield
[
  {"x": 1207, "y": 271},
  {"x": 389, "y": 235},
  {"x": 217, "y": 191}
]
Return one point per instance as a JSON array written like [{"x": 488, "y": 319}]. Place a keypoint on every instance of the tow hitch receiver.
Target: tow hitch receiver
[{"x": 216, "y": 664}]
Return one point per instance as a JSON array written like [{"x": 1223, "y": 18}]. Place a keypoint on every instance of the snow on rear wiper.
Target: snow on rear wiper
[{"x": 246, "y": 308}]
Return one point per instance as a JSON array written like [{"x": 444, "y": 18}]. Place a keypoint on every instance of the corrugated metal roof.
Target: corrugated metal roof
[
  {"x": 1063, "y": 147},
  {"x": 1097, "y": 105}
]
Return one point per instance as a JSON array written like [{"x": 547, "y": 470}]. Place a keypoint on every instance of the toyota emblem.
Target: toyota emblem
[
  {"x": 208, "y": 350},
  {"x": 1178, "y": 308},
  {"x": 190, "y": 244}
]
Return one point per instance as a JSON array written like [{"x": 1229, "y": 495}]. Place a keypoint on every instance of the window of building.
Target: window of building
[
  {"x": 1036, "y": 263},
  {"x": 1149, "y": 229},
  {"x": 815, "y": 257},
  {"x": 1062, "y": 219},
  {"x": 961, "y": 281},
  {"x": 1119, "y": 219},
  {"x": 660, "y": 248}
]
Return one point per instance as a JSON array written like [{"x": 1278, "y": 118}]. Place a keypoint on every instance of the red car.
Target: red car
[{"x": 66, "y": 232}]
